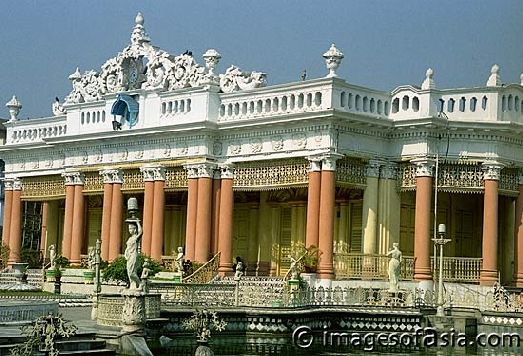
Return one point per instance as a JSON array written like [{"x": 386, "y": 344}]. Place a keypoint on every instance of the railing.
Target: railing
[
  {"x": 277, "y": 100},
  {"x": 205, "y": 273},
  {"x": 110, "y": 309},
  {"x": 361, "y": 266},
  {"x": 460, "y": 269},
  {"x": 195, "y": 294},
  {"x": 35, "y": 130},
  {"x": 361, "y": 100}
]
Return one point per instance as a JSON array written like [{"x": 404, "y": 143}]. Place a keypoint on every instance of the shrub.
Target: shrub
[
  {"x": 31, "y": 257},
  {"x": 4, "y": 255},
  {"x": 116, "y": 271}
]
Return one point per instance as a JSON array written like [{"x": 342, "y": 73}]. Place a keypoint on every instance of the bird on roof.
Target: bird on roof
[{"x": 304, "y": 74}]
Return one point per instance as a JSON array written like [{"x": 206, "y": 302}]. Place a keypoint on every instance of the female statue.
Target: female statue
[
  {"x": 394, "y": 267},
  {"x": 131, "y": 252}
]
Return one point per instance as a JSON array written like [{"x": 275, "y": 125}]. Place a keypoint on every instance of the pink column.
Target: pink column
[
  {"x": 518, "y": 238},
  {"x": 203, "y": 220},
  {"x": 148, "y": 205},
  {"x": 226, "y": 220},
  {"x": 326, "y": 223},
  {"x": 313, "y": 204},
  {"x": 192, "y": 202},
  {"x": 8, "y": 203},
  {"x": 43, "y": 230},
  {"x": 216, "y": 193},
  {"x": 489, "y": 270},
  {"x": 68, "y": 214},
  {"x": 422, "y": 238},
  {"x": 78, "y": 225},
  {"x": 15, "y": 234},
  {"x": 115, "y": 240},
  {"x": 106, "y": 220},
  {"x": 158, "y": 219}
]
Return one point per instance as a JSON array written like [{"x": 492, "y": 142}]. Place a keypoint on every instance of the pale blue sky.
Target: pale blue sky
[{"x": 386, "y": 43}]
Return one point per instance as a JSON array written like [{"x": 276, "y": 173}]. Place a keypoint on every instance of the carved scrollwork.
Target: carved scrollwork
[{"x": 234, "y": 79}]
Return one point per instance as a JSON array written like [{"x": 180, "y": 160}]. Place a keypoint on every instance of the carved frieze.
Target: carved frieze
[
  {"x": 277, "y": 143},
  {"x": 234, "y": 79},
  {"x": 491, "y": 170}
]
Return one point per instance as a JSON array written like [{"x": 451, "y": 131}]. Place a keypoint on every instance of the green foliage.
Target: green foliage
[
  {"x": 31, "y": 257},
  {"x": 42, "y": 335},
  {"x": 308, "y": 256},
  {"x": 116, "y": 271},
  {"x": 61, "y": 262}
]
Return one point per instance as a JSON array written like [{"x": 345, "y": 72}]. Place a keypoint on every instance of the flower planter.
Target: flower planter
[{"x": 50, "y": 275}]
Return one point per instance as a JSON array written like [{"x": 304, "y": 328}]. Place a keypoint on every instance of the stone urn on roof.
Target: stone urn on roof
[{"x": 333, "y": 59}]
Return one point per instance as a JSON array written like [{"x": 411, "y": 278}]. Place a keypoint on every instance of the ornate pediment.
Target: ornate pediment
[{"x": 143, "y": 66}]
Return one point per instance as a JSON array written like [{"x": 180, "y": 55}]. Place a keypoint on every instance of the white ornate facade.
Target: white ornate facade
[{"x": 187, "y": 140}]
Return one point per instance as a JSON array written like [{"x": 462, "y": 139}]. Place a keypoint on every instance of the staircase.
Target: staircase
[{"x": 34, "y": 277}]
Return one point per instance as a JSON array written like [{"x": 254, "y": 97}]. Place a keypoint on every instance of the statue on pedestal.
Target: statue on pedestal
[
  {"x": 394, "y": 267},
  {"x": 131, "y": 252},
  {"x": 52, "y": 257},
  {"x": 179, "y": 260}
]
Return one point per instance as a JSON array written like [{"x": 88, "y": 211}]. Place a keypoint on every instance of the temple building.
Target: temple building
[{"x": 224, "y": 163}]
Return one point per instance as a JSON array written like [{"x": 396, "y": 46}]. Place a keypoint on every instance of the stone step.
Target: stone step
[
  {"x": 89, "y": 352},
  {"x": 79, "y": 345}
]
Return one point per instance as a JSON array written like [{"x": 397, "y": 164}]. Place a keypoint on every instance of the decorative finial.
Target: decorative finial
[
  {"x": 139, "y": 35},
  {"x": 76, "y": 75},
  {"x": 333, "y": 59},
  {"x": 303, "y": 75},
  {"x": 428, "y": 83},
  {"x": 494, "y": 80},
  {"x": 521, "y": 79},
  {"x": 139, "y": 19},
  {"x": 212, "y": 58},
  {"x": 14, "y": 107}
]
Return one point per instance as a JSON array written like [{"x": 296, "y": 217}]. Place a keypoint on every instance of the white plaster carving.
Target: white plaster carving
[
  {"x": 277, "y": 143},
  {"x": 373, "y": 168},
  {"x": 428, "y": 83},
  {"x": 8, "y": 184},
  {"x": 227, "y": 172},
  {"x": 74, "y": 178},
  {"x": 182, "y": 148},
  {"x": 424, "y": 167},
  {"x": 236, "y": 147},
  {"x": 520, "y": 177},
  {"x": 314, "y": 164},
  {"x": 14, "y": 106},
  {"x": 491, "y": 170},
  {"x": 58, "y": 108},
  {"x": 256, "y": 145},
  {"x": 299, "y": 140},
  {"x": 212, "y": 58},
  {"x": 328, "y": 162},
  {"x": 205, "y": 170},
  {"x": 217, "y": 148},
  {"x": 389, "y": 171},
  {"x": 333, "y": 59},
  {"x": 234, "y": 79},
  {"x": 494, "y": 80},
  {"x": 122, "y": 154},
  {"x": 17, "y": 184},
  {"x": 192, "y": 171},
  {"x": 166, "y": 150},
  {"x": 112, "y": 175}
]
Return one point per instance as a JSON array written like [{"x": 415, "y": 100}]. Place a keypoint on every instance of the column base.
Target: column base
[
  {"x": 422, "y": 274},
  {"x": 488, "y": 277},
  {"x": 225, "y": 269},
  {"x": 518, "y": 280},
  {"x": 325, "y": 272}
]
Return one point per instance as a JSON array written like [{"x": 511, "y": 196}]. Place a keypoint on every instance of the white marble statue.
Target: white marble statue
[
  {"x": 179, "y": 260},
  {"x": 239, "y": 271},
  {"x": 131, "y": 252},
  {"x": 394, "y": 267},
  {"x": 294, "y": 270},
  {"x": 91, "y": 258},
  {"x": 52, "y": 257}
]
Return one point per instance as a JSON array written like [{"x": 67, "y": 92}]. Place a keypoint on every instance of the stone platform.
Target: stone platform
[{"x": 25, "y": 311}]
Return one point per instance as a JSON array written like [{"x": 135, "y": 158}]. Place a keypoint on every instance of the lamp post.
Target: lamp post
[
  {"x": 97, "y": 285},
  {"x": 441, "y": 241}
]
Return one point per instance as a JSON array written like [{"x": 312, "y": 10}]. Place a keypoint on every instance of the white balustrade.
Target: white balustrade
[
  {"x": 276, "y": 100},
  {"x": 36, "y": 130},
  {"x": 364, "y": 101}
]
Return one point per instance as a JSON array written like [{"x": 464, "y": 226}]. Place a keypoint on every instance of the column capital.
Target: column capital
[
  {"x": 153, "y": 173},
  {"x": 8, "y": 183},
  {"x": 200, "y": 170},
  {"x": 389, "y": 170},
  {"x": 424, "y": 166},
  {"x": 74, "y": 178},
  {"x": 112, "y": 175},
  {"x": 491, "y": 170},
  {"x": 17, "y": 184},
  {"x": 520, "y": 176},
  {"x": 226, "y": 171},
  {"x": 373, "y": 168},
  {"x": 314, "y": 163},
  {"x": 328, "y": 161}
]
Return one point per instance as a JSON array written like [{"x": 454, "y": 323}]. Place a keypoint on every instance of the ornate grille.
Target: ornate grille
[
  {"x": 35, "y": 188},
  {"x": 175, "y": 178},
  {"x": 280, "y": 173},
  {"x": 132, "y": 180},
  {"x": 508, "y": 181},
  {"x": 93, "y": 182},
  {"x": 351, "y": 172}
]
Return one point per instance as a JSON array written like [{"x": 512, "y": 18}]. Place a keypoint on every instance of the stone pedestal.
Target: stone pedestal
[
  {"x": 132, "y": 341},
  {"x": 177, "y": 277}
]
